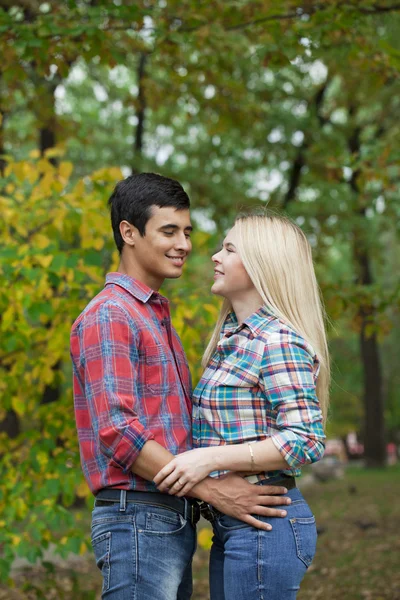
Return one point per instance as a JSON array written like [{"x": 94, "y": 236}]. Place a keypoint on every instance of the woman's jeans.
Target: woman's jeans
[
  {"x": 144, "y": 552},
  {"x": 248, "y": 563}
]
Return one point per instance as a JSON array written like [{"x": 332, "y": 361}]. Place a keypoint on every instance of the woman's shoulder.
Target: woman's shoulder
[{"x": 278, "y": 333}]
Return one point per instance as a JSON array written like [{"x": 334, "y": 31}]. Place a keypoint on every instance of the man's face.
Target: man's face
[{"x": 163, "y": 250}]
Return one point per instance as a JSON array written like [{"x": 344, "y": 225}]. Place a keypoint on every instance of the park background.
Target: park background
[{"x": 290, "y": 104}]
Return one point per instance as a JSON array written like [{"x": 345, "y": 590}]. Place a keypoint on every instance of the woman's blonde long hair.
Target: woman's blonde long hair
[{"x": 277, "y": 256}]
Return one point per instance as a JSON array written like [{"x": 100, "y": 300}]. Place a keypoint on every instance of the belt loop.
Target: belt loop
[
  {"x": 187, "y": 509},
  {"x": 122, "y": 501}
]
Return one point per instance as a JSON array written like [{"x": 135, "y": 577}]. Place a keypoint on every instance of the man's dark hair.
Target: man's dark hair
[{"x": 134, "y": 196}]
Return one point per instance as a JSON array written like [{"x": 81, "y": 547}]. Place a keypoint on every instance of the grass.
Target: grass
[{"x": 358, "y": 555}]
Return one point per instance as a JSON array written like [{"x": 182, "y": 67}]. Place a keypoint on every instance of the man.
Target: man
[{"x": 132, "y": 405}]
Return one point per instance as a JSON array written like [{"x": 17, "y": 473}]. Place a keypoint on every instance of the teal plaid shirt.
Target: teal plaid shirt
[{"x": 260, "y": 383}]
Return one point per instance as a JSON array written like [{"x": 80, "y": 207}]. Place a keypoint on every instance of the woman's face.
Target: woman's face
[{"x": 230, "y": 277}]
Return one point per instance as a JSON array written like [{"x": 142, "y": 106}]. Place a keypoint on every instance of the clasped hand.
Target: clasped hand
[{"x": 184, "y": 471}]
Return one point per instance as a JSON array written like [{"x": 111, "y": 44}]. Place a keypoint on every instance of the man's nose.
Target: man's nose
[{"x": 183, "y": 243}]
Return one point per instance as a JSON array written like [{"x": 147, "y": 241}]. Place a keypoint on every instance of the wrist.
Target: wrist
[{"x": 204, "y": 490}]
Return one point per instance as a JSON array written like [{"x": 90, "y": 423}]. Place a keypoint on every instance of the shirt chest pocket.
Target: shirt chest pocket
[
  {"x": 239, "y": 375},
  {"x": 154, "y": 365}
]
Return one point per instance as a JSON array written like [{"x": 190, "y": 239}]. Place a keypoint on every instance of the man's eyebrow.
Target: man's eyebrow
[{"x": 174, "y": 227}]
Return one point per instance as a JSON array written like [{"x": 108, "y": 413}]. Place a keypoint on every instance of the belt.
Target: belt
[
  {"x": 210, "y": 513},
  {"x": 288, "y": 482},
  {"x": 188, "y": 508}
]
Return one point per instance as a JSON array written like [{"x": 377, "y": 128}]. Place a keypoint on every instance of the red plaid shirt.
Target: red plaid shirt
[{"x": 131, "y": 382}]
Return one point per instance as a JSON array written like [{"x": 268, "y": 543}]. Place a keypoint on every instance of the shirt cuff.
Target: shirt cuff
[
  {"x": 295, "y": 450},
  {"x": 124, "y": 454}
]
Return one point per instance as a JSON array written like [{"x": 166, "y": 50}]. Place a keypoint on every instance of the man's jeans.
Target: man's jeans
[
  {"x": 248, "y": 563},
  {"x": 144, "y": 552}
]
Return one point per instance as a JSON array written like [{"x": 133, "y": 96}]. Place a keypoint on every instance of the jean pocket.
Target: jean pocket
[
  {"x": 102, "y": 547},
  {"x": 305, "y": 536},
  {"x": 163, "y": 522}
]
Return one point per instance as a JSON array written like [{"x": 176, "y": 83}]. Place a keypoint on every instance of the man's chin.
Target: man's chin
[{"x": 175, "y": 273}]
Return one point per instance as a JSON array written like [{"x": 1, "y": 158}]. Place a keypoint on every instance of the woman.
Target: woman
[{"x": 260, "y": 405}]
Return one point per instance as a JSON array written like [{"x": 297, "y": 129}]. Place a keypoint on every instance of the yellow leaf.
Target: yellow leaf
[
  {"x": 211, "y": 309},
  {"x": 15, "y": 540},
  {"x": 82, "y": 490},
  {"x": 41, "y": 241},
  {"x": 79, "y": 189},
  {"x": 42, "y": 459},
  {"x": 18, "y": 405},
  {"x": 204, "y": 538},
  {"x": 34, "y": 154},
  {"x": 65, "y": 170},
  {"x": 44, "y": 166},
  {"x": 54, "y": 152},
  {"x": 44, "y": 261},
  {"x": 98, "y": 244}
]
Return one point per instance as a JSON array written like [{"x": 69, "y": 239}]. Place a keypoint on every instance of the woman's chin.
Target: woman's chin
[{"x": 215, "y": 289}]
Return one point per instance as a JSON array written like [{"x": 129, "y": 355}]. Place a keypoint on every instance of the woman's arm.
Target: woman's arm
[{"x": 185, "y": 470}]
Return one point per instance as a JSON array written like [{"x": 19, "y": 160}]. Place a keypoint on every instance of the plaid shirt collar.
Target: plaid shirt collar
[
  {"x": 136, "y": 288},
  {"x": 255, "y": 322}
]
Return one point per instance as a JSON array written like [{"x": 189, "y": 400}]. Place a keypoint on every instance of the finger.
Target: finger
[
  {"x": 163, "y": 473},
  {"x": 173, "y": 481},
  {"x": 185, "y": 490},
  {"x": 271, "y": 490},
  {"x": 257, "y": 523},
  {"x": 273, "y": 500},
  {"x": 264, "y": 511},
  {"x": 176, "y": 487},
  {"x": 168, "y": 480}
]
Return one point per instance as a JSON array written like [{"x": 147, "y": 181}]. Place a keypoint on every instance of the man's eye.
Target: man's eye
[
  {"x": 187, "y": 236},
  {"x": 168, "y": 233}
]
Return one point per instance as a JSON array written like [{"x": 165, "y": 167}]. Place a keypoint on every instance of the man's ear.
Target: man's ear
[{"x": 128, "y": 232}]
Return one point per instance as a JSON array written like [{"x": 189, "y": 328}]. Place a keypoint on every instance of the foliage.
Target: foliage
[
  {"x": 57, "y": 250},
  {"x": 54, "y": 257}
]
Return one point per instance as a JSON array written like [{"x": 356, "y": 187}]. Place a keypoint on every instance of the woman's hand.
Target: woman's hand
[{"x": 184, "y": 471}]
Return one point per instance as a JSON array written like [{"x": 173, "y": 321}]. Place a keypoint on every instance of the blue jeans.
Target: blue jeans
[
  {"x": 144, "y": 552},
  {"x": 248, "y": 563}
]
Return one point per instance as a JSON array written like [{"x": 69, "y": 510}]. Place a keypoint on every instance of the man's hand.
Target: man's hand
[{"x": 236, "y": 497}]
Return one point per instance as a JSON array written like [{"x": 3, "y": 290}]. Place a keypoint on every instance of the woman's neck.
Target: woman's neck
[{"x": 246, "y": 306}]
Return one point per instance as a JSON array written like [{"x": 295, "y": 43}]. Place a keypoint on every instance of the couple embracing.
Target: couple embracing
[{"x": 153, "y": 453}]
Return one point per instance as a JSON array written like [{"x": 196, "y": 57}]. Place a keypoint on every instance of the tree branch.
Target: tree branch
[{"x": 300, "y": 161}]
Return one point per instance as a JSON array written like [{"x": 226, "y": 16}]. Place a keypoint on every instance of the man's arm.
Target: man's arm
[{"x": 231, "y": 494}]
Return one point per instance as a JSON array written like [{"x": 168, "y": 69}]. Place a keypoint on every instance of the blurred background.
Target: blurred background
[{"x": 290, "y": 104}]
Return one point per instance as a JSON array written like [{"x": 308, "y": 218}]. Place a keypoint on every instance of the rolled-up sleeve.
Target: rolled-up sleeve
[
  {"x": 287, "y": 380},
  {"x": 110, "y": 364}
]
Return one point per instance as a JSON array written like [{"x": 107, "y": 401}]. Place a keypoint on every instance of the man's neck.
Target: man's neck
[{"x": 128, "y": 267}]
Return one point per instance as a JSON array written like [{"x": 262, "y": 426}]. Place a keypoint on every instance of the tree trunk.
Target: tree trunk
[
  {"x": 374, "y": 428},
  {"x": 2, "y": 161},
  {"x": 140, "y": 113},
  {"x": 10, "y": 424},
  {"x": 373, "y": 397}
]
